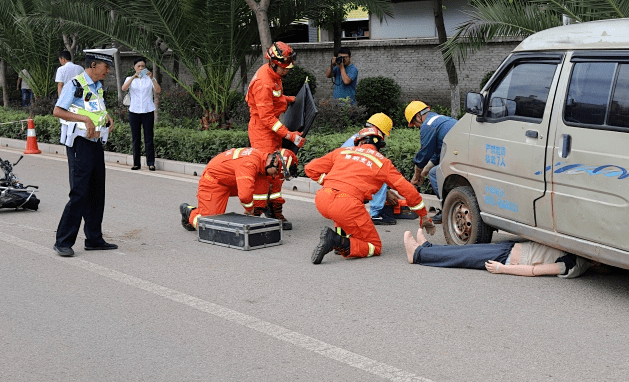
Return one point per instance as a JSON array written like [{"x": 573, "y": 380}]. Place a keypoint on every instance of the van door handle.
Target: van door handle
[
  {"x": 531, "y": 133},
  {"x": 566, "y": 145}
]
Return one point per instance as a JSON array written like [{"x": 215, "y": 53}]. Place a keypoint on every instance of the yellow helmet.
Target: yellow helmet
[
  {"x": 413, "y": 108},
  {"x": 382, "y": 122}
]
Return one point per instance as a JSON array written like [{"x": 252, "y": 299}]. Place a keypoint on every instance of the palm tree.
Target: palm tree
[
  {"x": 209, "y": 38},
  {"x": 24, "y": 45},
  {"x": 521, "y": 18}
]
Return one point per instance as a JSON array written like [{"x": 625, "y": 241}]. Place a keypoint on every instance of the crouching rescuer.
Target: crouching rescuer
[
  {"x": 350, "y": 176},
  {"x": 236, "y": 172}
]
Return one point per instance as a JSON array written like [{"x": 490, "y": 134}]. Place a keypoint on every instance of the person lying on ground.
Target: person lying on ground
[{"x": 521, "y": 259}]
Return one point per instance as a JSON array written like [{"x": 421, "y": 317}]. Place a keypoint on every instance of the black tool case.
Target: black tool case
[{"x": 240, "y": 231}]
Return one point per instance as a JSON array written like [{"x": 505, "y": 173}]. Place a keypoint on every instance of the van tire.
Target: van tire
[{"x": 462, "y": 223}]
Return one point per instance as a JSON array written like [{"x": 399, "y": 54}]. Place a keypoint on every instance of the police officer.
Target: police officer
[
  {"x": 86, "y": 126},
  {"x": 433, "y": 129}
]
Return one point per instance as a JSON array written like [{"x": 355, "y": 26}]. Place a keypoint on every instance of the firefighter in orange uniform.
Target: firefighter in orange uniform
[
  {"x": 235, "y": 172},
  {"x": 266, "y": 103},
  {"x": 350, "y": 175}
]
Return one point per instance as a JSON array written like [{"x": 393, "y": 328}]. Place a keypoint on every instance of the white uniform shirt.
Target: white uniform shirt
[
  {"x": 67, "y": 72},
  {"x": 141, "y": 93}
]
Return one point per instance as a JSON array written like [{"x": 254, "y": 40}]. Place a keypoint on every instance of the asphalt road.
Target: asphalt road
[{"x": 165, "y": 307}]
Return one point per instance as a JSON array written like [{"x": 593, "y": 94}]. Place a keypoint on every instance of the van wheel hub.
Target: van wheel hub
[{"x": 461, "y": 222}]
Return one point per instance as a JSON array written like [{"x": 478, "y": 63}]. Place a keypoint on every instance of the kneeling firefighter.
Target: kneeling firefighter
[
  {"x": 350, "y": 176},
  {"x": 235, "y": 172}
]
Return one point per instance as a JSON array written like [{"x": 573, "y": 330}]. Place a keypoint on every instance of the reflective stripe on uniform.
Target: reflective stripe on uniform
[
  {"x": 194, "y": 221},
  {"x": 368, "y": 156},
  {"x": 236, "y": 153},
  {"x": 372, "y": 249},
  {"x": 277, "y": 126},
  {"x": 259, "y": 196},
  {"x": 431, "y": 120},
  {"x": 247, "y": 205},
  {"x": 276, "y": 195},
  {"x": 320, "y": 180},
  {"x": 417, "y": 207}
]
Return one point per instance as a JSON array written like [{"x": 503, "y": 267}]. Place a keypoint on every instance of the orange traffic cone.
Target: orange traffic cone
[{"x": 31, "y": 139}]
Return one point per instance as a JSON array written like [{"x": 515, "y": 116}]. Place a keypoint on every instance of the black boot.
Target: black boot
[
  {"x": 436, "y": 219},
  {"x": 328, "y": 241},
  {"x": 274, "y": 211},
  {"x": 258, "y": 211},
  {"x": 185, "y": 210}
]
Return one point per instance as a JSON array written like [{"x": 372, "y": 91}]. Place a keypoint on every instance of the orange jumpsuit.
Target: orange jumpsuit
[
  {"x": 266, "y": 102},
  {"x": 350, "y": 175},
  {"x": 235, "y": 172}
]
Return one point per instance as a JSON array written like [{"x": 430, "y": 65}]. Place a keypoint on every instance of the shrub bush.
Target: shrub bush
[
  {"x": 294, "y": 80},
  {"x": 379, "y": 95},
  {"x": 485, "y": 79},
  {"x": 176, "y": 104},
  {"x": 336, "y": 115}
]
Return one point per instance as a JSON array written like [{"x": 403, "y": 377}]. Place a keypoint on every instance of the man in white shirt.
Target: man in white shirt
[{"x": 67, "y": 71}]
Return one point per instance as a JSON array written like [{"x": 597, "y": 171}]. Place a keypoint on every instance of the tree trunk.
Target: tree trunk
[
  {"x": 264, "y": 29},
  {"x": 3, "y": 83},
  {"x": 455, "y": 97},
  {"x": 176, "y": 68},
  {"x": 70, "y": 44}
]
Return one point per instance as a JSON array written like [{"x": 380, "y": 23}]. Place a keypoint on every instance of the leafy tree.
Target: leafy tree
[
  {"x": 522, "y": 18},
  {"x": 24, "y": 45},
  {"x": 455, "y": 96},
  {"x": 210, "y": 38}
]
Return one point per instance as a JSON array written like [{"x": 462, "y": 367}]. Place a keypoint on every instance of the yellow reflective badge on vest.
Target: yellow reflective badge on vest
[{"x": 277, "y": 93}]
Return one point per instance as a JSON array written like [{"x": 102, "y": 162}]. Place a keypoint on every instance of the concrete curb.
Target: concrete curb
[{"x": 301, "y": 184}]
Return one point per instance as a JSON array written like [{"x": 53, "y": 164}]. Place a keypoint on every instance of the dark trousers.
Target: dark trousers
[
  {"x": 86, "y": 162},
  {"x": 27, "y": 96},
  {"x": 147, "y": 120},
  {"x": 471, "y": 256}
]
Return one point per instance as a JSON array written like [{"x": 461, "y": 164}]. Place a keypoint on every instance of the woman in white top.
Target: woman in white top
[
  {"x": 141, "y": 111},
  {"x": 521, "y": 259}
]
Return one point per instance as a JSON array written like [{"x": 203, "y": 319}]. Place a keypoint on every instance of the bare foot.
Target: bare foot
[
  {"x": 421, "y": 239},
  {"x": 411, "y": 245}
]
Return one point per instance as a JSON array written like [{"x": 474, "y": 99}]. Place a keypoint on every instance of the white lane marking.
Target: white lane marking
[{"x": 279, "y": 332}]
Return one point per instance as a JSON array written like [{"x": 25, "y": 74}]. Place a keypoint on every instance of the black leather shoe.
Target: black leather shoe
[
  {"x": 135, "y": 168},
  {"x": 383, "y": 219},
  {"x": 101, "y": 247},
  {"x": 151, "y": 168},
  {"x": 64, "y": 251}
]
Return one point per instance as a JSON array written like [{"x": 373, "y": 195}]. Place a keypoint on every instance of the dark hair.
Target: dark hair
[
  {"x": 345, "y": 50},
  {"x": 65, "y": 54},
  {"x": 138, "y": 60}
]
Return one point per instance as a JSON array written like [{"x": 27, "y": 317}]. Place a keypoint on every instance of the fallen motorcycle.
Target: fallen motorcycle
[{"x": 14, "y": 194}]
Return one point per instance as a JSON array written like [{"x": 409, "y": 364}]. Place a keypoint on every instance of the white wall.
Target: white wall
[{"x": 415, "y": 19}]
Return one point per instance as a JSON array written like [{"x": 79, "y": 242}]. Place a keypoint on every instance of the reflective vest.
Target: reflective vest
[{"x": 93, "y": 107}]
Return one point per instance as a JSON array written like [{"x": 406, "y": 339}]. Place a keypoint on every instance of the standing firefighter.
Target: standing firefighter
[
  {"x": 350, "y": 175},
  {"x": 266, "y": 103},
  {"x": 235, "y": 172}
]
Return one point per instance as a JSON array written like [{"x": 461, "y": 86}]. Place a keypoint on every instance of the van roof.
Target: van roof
[{"x": 603, "y": 34}]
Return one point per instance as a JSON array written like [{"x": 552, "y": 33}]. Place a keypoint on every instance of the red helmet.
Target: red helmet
[
  {"x": 370, "y": 135},
  {"x": 289, "y": 162},
  {"x": 281, "y": 54}
]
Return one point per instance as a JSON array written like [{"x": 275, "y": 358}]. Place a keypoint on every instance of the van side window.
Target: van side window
[
  {"x": 619, "y": 110},
  {"x": 523, "y": 92},
  {"x": 589, "y": 91}
]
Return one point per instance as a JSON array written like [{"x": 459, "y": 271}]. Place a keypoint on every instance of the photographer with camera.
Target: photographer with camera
[{"x": 344, "y": 75}]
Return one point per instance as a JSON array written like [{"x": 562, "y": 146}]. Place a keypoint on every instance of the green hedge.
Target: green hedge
[{"x": 187, "y": 145}]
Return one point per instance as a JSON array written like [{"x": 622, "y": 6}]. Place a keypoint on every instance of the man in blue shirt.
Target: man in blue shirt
[
  {"x": 344, "y": 74},
  {"x": 433, "y": 128}
]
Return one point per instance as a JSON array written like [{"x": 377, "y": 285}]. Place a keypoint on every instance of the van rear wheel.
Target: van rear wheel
[{"x": 462, "y": 223}]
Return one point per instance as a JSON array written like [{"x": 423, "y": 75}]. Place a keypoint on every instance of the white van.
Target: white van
[{"x": 543, "y": 151}]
